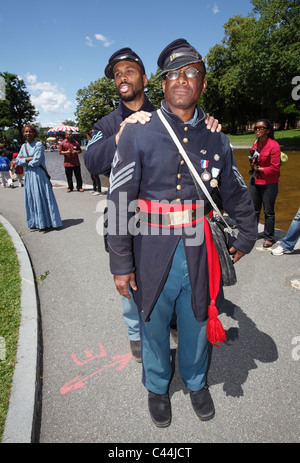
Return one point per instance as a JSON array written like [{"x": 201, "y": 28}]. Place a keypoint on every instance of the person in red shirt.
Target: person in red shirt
[
  {"x": 263, "y": 187},
  {"x": 70, "y": 148}
]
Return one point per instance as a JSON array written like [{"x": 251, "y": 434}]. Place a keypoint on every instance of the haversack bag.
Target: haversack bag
[{"x": 220, "y": 236}]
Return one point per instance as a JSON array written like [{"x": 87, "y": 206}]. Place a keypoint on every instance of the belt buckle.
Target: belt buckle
[{"x": 180, "y": 217}]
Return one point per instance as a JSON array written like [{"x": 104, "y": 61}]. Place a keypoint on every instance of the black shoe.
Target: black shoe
[
  {"x": 203, "y": 404},
  {"x": 268, "y": 244},
  {"x": 160, "y": 409},
  {"x": 135, "y": 347}
]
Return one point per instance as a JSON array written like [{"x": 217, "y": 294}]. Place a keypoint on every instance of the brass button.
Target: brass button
[
  {"x": 186, "y": 129},
  {"x": 182, "y": 162},
  {"x": 179, "y": 176},
  {"x": 185, "y": 140},
  {"x": 178, "y": 187},
  {"x": 178, "y": 200}
]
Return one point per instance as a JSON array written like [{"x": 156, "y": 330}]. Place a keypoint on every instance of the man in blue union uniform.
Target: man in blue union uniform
[
  {"x": 128, "y": 72},
  {"x": 165, "y": 268}
]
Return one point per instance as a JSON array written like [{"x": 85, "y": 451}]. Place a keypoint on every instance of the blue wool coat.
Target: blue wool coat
[{"x": 147, "y": 165}]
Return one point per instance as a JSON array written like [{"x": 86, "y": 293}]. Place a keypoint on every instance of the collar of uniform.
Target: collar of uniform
[
  {"x": 198, "y": 115},
  {"x": 126, "y": 112}
]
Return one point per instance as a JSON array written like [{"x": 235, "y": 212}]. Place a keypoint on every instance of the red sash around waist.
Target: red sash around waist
[{"x": 171, "y": 215}]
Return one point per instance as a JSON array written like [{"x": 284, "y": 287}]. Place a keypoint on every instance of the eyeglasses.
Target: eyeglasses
[
  {"x": 260, "y": 127},
  {"x": 190, "y": 73}
]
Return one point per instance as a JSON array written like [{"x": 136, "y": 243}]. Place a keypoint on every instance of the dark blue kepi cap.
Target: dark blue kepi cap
[
  {"x": 124, "y": 54},
  {"x": 177, "y": 54}
]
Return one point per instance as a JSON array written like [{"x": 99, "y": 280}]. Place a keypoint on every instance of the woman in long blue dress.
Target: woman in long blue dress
[{"x": 40, "y": 204}]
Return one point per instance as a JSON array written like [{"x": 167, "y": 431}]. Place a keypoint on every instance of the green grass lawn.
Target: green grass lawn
[
  {"x": 286, "y": 138},
  {"x": 10, "y": 302}
]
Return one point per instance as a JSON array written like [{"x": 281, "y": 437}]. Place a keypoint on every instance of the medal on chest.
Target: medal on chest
[
  {"x": 205, "y": 175},
  {"x": 214, "y": 182}
]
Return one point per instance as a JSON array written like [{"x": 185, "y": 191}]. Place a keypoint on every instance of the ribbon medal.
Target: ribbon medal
[
  {"x": 214, "y": 172},
  {"x": 205, "y": 175}
]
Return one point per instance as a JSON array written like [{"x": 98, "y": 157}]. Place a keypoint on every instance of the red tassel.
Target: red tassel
[{"x": 214, "y": 329}]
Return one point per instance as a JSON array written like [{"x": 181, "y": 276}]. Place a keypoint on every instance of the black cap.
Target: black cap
[
  {"x": 124, "y": 54},
  {"x": 177, "y": 54}
]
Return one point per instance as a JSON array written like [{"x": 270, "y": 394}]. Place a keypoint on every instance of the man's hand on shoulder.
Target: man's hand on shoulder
[
  {"x": 212, "y": 124},
  {"x": 140, "y": 116}
]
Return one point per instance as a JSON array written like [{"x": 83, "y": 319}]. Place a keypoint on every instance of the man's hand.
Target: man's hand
[
  {"x": 139, "y": 116},
  {"x": 122, "y": 282},
  {"x": 237, "y": 255},
  {"x": 212, "y": 124}
]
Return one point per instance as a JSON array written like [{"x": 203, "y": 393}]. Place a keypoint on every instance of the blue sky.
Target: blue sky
[{"x": 59, "y": 47}]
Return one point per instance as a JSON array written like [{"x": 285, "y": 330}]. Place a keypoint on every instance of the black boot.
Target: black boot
[
  {"x": 203, "y": 404},
  {"x": 160, "y": 409},
  {"x": 135, "y": 347}
]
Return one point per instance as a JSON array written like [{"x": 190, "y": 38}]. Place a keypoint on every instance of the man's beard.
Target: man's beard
[{"x": 130, "y": 96}]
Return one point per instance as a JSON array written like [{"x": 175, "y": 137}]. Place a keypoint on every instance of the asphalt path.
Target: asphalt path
[{"x": 91, "y": 386}]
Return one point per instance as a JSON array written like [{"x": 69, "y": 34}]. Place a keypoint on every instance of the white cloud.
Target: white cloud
[
  {"x": 105, "y": 40},
  {"x": 89, "y": 41},
  {"x": 215, "y": 9},
  {"x": 101, "y": 38},
  {"x": 47, "y": 96},
  {"x": 31, "y": 78}
]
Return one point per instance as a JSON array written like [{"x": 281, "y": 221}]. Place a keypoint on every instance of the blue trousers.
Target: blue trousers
[
  {"x": 131, "y": 318},
  {"x": 293, "y": 234},
  {"x": 192, "y": 339}
]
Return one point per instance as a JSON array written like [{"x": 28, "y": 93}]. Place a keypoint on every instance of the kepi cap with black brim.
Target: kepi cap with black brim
[
  {"x": 177, "y": 54},
  {"x": 124, "y": 54}
]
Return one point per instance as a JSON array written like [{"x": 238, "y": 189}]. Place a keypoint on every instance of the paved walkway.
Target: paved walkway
[{"x": 91, "y": 388}]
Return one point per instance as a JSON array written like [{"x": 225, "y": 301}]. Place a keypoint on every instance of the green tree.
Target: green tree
[
  {"x": 226, "y": 96},
  {"x": 94, "y": 102},
  {"x": 154, "y": 89},
  {"x": 250, "y": 74},
  {"x": 277, "y": 38},
  {"x": 16, "y": 110}
]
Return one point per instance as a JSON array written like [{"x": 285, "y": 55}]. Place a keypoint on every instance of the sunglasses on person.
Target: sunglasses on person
[
  {"x": 260, "y": 127},
  {"x": 190, "y": 73}
]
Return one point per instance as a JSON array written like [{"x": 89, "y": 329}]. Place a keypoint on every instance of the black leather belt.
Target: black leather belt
[{"x": 173, "y": 218}]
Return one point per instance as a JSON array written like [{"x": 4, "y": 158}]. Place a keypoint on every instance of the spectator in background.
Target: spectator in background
[
  {"x": 263, "y": 185},
  {"x": 5, "y": 151},
  {"x": 40, "y": 204},
  {"x": 4, "y": 168},
  {"x": 16, "y": 172},
  {"x": 289, "y": 241},
  {"x": 95, "y": 177},
  {"x": 70, "y": 148}
]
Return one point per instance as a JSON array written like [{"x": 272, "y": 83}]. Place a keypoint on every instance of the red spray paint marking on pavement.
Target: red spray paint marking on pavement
[
  {"x": 79, "y": 382},
  {"x": 90, "y": 357}
]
